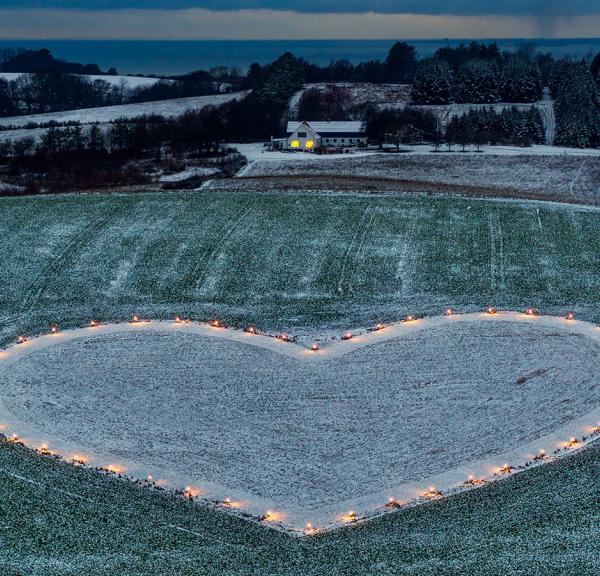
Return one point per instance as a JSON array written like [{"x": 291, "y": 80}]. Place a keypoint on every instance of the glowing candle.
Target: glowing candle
[
  {"x": 350, "y": 516},
  {"x": 270, "y": 516}
]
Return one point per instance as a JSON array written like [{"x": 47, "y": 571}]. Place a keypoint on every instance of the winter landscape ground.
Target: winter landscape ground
[
  {"x": 283, "y": 260},
  {"x": 313, "y": 264},
  {"x": 539, "y": 173},
  {"x": 107, "y": 114}
]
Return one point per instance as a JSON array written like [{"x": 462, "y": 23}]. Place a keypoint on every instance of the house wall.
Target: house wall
[
  {"x": 344, "y": 141},
  {"x": 304, "y": 138}
]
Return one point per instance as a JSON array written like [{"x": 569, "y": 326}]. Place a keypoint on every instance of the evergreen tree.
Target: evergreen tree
[
  {"x": 7, "y": 105},
  {"x": 433, "y": 83},
  {"x": 595, "y": 68},
  {"x": 560, "y": 73},
  {"x": 477, "y": 82},
  {"x": 511, "y": 126},
  {"x": 521, "y": 82},
  {"x": 461, "y": 131},
  {"x": 577, "y": 107},
  {"x": 401, "y": 63}
]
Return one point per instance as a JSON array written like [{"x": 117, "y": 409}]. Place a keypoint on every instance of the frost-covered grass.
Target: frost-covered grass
[
  {"x": 58, "y": 520},
  {"x": 308, "y": 435},
  {"x": 288, "y": 260}
]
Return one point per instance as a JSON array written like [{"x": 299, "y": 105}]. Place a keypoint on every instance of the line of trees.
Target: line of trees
[
  {"x": 511, "y": 126},
  {"x": 126, "y": 152},
  {"x": 39, "y": 92},
  {"x": 51, "y": 85},
  {"x": 577, "y": 103},
  {"x": 42, "y": 62},
  {"x": 477, "y": 81}
]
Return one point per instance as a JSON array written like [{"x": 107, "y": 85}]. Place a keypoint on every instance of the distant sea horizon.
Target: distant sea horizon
[{"x": 170, "y": 57}]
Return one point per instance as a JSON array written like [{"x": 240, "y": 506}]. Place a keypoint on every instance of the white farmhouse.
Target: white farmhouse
[{"x": 319, "y": 136}]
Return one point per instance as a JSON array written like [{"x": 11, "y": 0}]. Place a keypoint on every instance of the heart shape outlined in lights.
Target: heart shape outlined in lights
[{"x": 305, "y": 439}]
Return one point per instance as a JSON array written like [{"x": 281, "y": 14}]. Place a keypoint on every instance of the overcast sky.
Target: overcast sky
[{"x": 294, "y": 19}]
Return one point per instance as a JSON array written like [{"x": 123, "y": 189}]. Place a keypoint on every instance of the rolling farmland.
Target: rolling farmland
[
  {"x": 310, "y": 263},
  {"x": 294, "y": 261}
]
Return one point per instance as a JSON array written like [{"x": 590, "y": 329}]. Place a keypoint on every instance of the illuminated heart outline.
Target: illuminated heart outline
[{"x": 330, "y": 516}]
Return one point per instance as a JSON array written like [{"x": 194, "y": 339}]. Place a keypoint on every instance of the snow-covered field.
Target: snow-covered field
[
  {"x": 257, "y": 151},
  {"x": 540, "y": 172},
  {"x": 106, "y": 114},
  {"x": 309, "y": 435},
  {"x": 128, "y": 82}
]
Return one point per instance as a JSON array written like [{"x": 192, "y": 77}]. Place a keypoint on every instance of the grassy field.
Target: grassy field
[
  {"x": 70, "y": 521},
  {"x": 293, "y": 261},
  {"x": 304, "y": 262}
]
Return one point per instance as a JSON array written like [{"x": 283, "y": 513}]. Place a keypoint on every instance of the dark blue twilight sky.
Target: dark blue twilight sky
[{"x": 285, "y": 19}]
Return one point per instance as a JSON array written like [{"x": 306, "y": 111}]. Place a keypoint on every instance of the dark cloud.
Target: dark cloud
[{"x": 542, "y": 9}]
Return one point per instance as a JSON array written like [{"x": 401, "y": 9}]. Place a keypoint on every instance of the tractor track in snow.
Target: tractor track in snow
[
  {"x": 224, "y": 233},
  {"x": 51, "y": 270}
]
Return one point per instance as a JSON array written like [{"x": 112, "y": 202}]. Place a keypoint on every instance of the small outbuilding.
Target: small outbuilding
[{"x": 321, "y": 136}]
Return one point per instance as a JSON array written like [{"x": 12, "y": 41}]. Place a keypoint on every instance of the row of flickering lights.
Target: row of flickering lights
[
  {"x": 315, "y": 346},
  {"x": 271, "y": 516}
]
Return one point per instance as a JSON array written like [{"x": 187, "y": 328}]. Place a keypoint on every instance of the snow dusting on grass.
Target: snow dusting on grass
[
  {"x": 195, "y": 172},
  {"x": 305, "y": 262}
]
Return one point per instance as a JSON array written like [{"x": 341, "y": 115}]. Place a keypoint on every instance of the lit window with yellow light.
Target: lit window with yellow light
[
  {"x": 295, "y": 144},
  {"x": 310, "y": 144}
]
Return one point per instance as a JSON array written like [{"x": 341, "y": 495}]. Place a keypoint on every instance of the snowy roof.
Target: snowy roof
[{"x": 329, "y": 127}]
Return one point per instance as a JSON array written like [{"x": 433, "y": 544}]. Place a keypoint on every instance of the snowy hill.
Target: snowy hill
[
  {"x": 129, "y": 82},
  {"x": 107, "y": 114}
]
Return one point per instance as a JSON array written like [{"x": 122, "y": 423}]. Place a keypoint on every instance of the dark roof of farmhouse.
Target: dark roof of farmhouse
[{"x": 329, "y": 128}]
